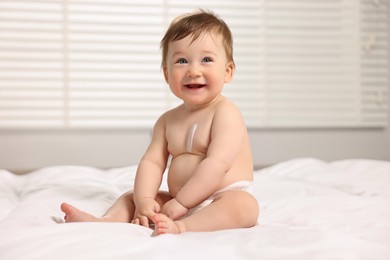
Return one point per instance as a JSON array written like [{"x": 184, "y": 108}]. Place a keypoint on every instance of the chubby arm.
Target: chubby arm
[
  {"x": 227, "y": 134},
  {"x": 150, "y": 171}
]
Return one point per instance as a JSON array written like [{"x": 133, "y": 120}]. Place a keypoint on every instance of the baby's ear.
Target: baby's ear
[
  {"x": 165, "y": 70},
  {"x": 229, "y": 73}
]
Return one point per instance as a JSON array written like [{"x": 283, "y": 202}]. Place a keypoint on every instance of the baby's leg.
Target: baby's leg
[
  {"x": 73, "y": 214},
  {"x": 121, "y": 211},
  {"x": 230, "y": 209}
]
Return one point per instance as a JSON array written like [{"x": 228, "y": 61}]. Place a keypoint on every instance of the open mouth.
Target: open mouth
[{"x": 195, "y": 86}]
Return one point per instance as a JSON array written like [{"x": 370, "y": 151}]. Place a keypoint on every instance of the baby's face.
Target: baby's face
[{"x": 196, "y": 71}]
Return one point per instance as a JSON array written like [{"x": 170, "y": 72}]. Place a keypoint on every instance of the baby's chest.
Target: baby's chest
[{"x": 190, "y": 138}]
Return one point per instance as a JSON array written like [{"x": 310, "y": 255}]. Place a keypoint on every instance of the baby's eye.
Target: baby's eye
[
  {"x": 207, "y": 59},
  {"x": 181, "y": 61}
]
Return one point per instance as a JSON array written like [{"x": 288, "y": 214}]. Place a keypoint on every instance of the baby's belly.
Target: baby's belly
[{"x": 181, "y": 169}]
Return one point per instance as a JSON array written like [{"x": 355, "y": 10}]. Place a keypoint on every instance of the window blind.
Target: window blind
[
  {"x": 322, "y": 67},
  {"x": 96, "y": 63}
]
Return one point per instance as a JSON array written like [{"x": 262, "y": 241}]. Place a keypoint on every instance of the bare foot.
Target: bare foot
[
  {"x": 73, "y": 214},
  {"x": 165, "y": 225}
]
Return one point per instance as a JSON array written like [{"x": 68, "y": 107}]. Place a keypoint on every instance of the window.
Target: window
[{"x": 96, "y": 63}]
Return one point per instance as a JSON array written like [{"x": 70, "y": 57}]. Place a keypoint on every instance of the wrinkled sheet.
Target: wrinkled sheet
[{"x": 310, "y": 209}]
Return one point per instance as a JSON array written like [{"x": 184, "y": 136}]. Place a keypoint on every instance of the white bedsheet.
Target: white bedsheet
[{"x": 310, "y": 209}]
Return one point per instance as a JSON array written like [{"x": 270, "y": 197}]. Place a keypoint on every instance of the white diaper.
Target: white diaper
[{"x": 239, "y": 185}]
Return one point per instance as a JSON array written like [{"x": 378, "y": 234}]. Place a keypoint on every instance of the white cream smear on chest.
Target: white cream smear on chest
[{"x": 190, "y": 137}]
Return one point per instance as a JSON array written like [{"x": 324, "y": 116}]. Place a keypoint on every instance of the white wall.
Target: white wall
[{"x": 275, "y": 146}]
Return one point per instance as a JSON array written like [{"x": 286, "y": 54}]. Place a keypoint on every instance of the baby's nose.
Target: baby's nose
[{"x": 193, "y": 72}]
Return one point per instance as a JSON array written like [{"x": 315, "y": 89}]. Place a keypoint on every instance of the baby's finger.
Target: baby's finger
[
  {"x": 144, "y": 221},
  {"x": 135, "y": 221}
]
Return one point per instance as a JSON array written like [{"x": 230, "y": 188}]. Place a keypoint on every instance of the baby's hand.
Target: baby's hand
[
  {"x": 173, "y": 209},
  {"x": 146, "y": 208}
]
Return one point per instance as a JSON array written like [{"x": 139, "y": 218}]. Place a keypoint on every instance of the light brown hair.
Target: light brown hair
[{"x": 196, "y": 24}]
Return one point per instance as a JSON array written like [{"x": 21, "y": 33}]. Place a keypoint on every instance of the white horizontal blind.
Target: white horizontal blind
[
  {"x": 31, "y": 64},
  {"x": 311, "y": 63},
  {"x": 114, "y": 63},
  {"x": 374, "y": 65},
  {"x": 81, "y": 63},
  {"x": 316, "y": 70},
  {"x": 96, "y": 63}
]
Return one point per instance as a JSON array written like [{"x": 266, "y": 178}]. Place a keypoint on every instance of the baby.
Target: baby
[{"x": 211, "y": 169}]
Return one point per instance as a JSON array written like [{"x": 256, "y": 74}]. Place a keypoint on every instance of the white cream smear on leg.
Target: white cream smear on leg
[{"x": 190, "y": 137}]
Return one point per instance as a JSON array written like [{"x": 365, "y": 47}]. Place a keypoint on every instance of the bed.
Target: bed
[{"x": 310, "y": 209}]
